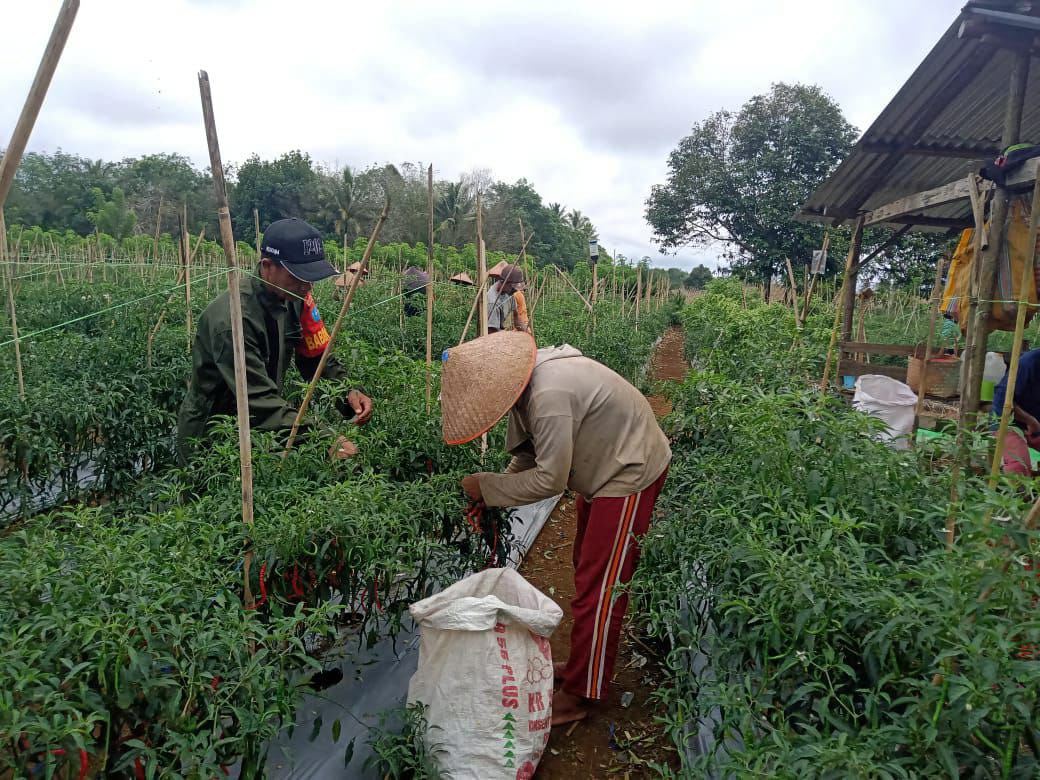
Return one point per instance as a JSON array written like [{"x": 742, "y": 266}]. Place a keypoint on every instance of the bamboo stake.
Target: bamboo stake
[
  {"x": 472, "y": 309},
  {"x": 812, "y": 280},
  {"x": 588, "y": 306},
  {"x": 354, "y": 282},
  {"x": 37, "y": 92},
  {"x": 936, "y": 297},
  {"x": 794, "y": 294},
  {"x": 429, "y": 289},
  {"x": 482, "y": 312},
  {"x": 158, "y": 227},
  {"x": 227, "y": 238},
  {"x": 9, "y": 284},
  {"x": 187, "y": 273},
  {"x": 256, "y": 229},
  {"x": 639, "y": 292},
  {"x": 854, "y": 246},
  {"x": 1016, "y": 344}
]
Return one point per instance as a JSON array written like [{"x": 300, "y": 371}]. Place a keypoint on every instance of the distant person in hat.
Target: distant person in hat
[
  {"x": 573, "y": 423},
  {"x": 502, "y": 306},
  {"x": 414, "y": 283},
  {"x": 280, "y": 322}
]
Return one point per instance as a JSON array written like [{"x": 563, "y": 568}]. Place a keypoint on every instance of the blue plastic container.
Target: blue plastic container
[{"x": 848, "y": 382}]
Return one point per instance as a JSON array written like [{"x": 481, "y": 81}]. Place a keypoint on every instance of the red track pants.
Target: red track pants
[{"x": 606, "y": 551}]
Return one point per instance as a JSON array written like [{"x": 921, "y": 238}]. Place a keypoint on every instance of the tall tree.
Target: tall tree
[
  {"x": 454, "y": 213},
  {"x": 112, "y": 216},
  {"x": 280, "y": 188},
  {"x": 738, "y": 179}
]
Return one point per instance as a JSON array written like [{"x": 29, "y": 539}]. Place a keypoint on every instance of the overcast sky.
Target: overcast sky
[{"x": 584, "y": 99}]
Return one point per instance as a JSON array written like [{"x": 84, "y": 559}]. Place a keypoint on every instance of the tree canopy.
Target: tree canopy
[{"x": 738, "y": 178}]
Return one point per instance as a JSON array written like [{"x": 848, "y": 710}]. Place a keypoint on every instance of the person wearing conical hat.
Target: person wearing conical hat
[
  {"x": 573, "y": 423},
  {"x": 502, "y": 306}
]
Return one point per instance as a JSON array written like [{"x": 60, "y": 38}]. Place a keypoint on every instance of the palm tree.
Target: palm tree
[
  {"x": 341, "y": 205},
  {"x": 582, "y": 224},
  {"x": 557, "y": 210},
  {"x": 454, "y": 208}
]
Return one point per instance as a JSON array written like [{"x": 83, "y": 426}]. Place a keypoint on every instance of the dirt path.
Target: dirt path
[{"x": 586, "y": 750}]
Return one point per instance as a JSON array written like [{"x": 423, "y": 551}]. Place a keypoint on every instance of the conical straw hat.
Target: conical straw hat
[
  {"x": 481, "y": 380},
  {"x": 462, "y": 278},
  {"x": 497, "y": 269}
]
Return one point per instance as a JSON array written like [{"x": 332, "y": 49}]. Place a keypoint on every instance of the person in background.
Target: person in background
[
  {"x": 949, "y": 334},
  {"x": 280, "y": 321},
  {"x": 502, "y": 306},
  {"x": 414, "y": 286},
  {"x": 573, "y": 423},
  {"x": 1024, "y": 431}
]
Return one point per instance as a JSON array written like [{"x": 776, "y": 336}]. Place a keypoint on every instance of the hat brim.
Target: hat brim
[
  {"x": 311, "y": 272},
  {"x": 482, "y": 380}
]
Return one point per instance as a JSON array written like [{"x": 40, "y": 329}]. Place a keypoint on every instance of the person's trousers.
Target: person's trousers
[
  {"x": 606, "y": 551},
  {"x": 1016, "y": 453}
]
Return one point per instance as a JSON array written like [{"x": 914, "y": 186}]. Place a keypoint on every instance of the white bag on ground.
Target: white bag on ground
[
  {"x": 485, "y": 675},
  {"x": 891, "y": 401}
]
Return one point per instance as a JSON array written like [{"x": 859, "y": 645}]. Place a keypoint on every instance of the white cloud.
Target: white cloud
[{"x": 585, "y": 99}]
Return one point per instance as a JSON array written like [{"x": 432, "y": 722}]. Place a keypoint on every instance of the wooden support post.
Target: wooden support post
[
  {"x": 850, "y": 262},
  {"x": 1026, "y": 283},
  {"x": 639, "y": 292},
  {"x": 37, "y": 92},
  {"x": 158, "y": 227},
  {"x": 595, "y": 281},
  {"x": 429, "y": 288},
  {"x": 9, "y": 284},
  {"x": 932, "y": 316},
  {"x": 227, "y": 238},
  {"x": 355, "y": 282},
  {"x": 987, "y": 259}
]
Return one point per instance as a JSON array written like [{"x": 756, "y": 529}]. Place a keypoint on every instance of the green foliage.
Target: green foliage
[
  {"x": 804, "y": 558},
  {"x": 400, "y": 746},
  {"x": 698, "y": 277},
  {"x": 112, "y": 216}
]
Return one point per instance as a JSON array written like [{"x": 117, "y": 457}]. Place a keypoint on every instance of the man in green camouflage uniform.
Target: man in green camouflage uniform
[{"x": 279, "y": 321}]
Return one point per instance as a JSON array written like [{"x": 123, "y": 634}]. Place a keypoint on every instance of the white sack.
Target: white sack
[
  {"x": 994, "y": 369},
  {"x": 485, "y": 675},
  {"x": 891, "y": 401}
]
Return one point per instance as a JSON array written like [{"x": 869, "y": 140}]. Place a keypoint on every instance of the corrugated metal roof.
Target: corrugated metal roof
[{"x": 952, "y": 107}]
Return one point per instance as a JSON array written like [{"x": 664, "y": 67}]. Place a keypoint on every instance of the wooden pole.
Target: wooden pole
[
  {"x": 639, "y": 293},
  {"x": 158, "y": 227},
  {"x": 989, "y": 256},
  {"x": 588, "y": 305},
  {"x": 186, "y": 236},
  {"x": 37, "y": 92},
  {"x": 354, "y": 283},
  {"x": 259, "y": 240},
  {"x": 429, "y": 288},
  {"x": 850, "y": 261},
  {"x": 472, "y": 309},
  {"x": 794, "y": 294},
  {"x": 227, "y": 238},
  {"x": 9, "y": 284},
  {"x": 482, "y": 312},
  {"x": 1026, "y": 282},
  {"x": 848, "y": 300}
]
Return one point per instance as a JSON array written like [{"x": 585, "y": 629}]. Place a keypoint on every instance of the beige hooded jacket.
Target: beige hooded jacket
[{"x": 578, "y": 425}]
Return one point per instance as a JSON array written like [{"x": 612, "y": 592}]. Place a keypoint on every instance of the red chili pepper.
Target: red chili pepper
[
  {"x": 138, "y": 768},
  {"x": 297, "y": 590},
  {"x": 263, "y": 588},
  {"x": 84, "y": 763},
  {"x": 216, "y": 681}
]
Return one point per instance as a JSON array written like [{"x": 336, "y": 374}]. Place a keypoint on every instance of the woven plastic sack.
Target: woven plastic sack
[
  {"x": 485, "y": 675},
  {"x": 892, "y": 402},
  {"x": 1013, "y": 253}
]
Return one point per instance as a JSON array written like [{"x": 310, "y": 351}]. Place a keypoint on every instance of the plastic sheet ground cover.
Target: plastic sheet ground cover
[{"x": 373, "y": 681}]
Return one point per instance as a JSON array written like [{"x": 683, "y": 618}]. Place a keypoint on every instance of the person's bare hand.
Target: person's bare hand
[
  {"x": 362, "y": 406},
  {"x": 343, "y": 449},
  {"x": 471, "y": 485}
]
